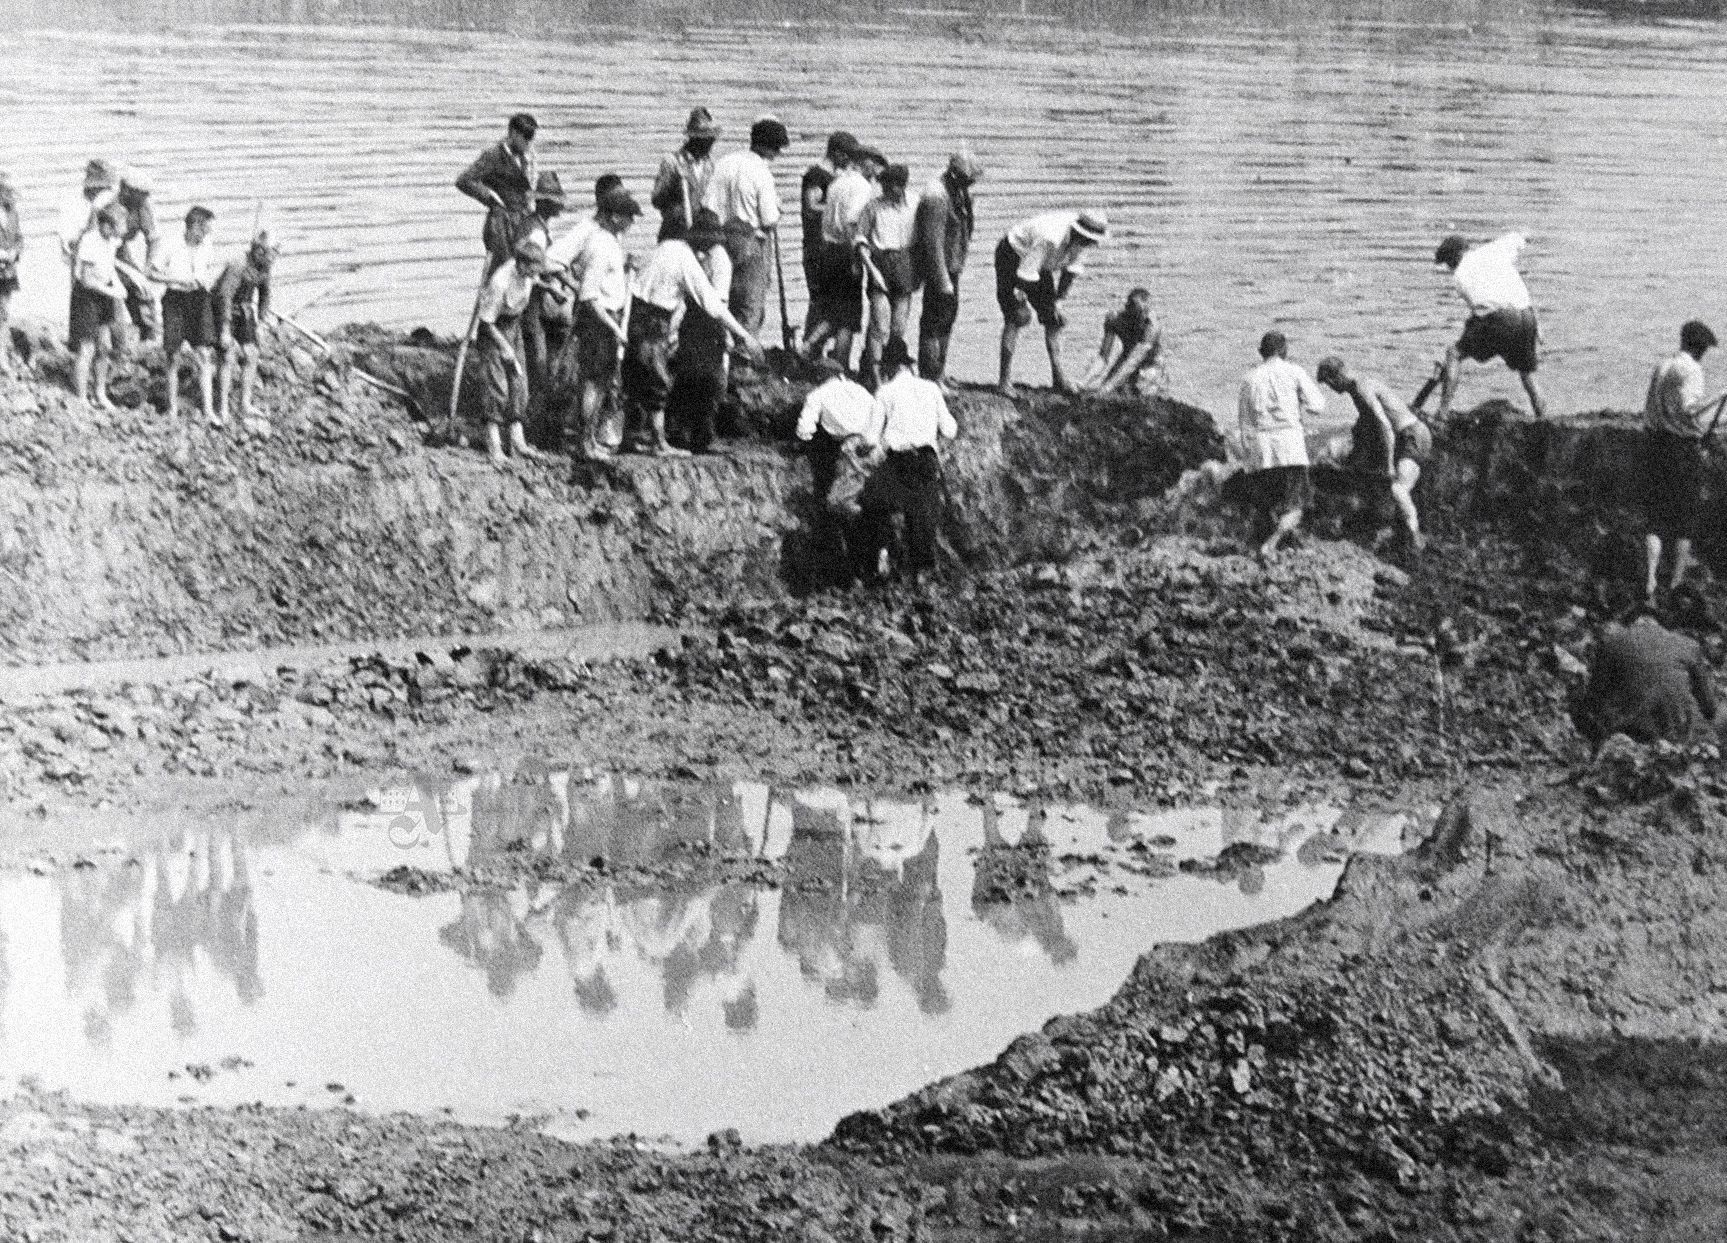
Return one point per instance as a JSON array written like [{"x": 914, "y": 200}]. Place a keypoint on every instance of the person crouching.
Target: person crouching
[{"x": 910, "y": 419}]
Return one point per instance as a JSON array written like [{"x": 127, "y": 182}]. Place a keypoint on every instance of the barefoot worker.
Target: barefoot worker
[
  {"x": 840, "y": 316},
  {"x": 743, "y": 195},
  {"x": 11, "y": 248},
  {"x": 909, "y": 420},
  {"x": 813, "y": 201},
  {"x": 671, "y": 278},
  {"x": 502, "y": 178},
  {"x": 505, "y": 395},
  {"x": 242, "y": 304},
  {"x": 1647, "y": 683},
  {"x": 98, "y": 299},
  {"x": 188, "y": 269},
  {"x": 835, "y": 410},
  {"x": 1501, "y": 321},
  {"x": 1274, "y": 397},
  {"x": 139, "y": 240},
  {"x": 699, "y": 364},
  {"x": 1132, "y": 347},
  {"x": 942, "y": 239},
  {"x": 883, "y": 245},
  {"x": 682, "y": 182},
  {"x": 1390, "y": 443},
  {"x": 602, "y": 298},
  {"x": 1679, "y": 419},
  {"x": 1036, "y": 264}
]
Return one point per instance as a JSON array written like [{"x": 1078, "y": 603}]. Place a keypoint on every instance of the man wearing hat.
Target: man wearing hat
[
  {"x": 502, "y": 178},
  {"x": 11, "y": 247},
  {"x": 505, "y": 390},
  {"x": 139, "y": 241},
  {"x": 941, "y": 238},
  {"x": 743, "y": 195},
  {"x": 546, "y": 322},
  {"x": 671, "y": 279},
  {"x": 1679, "y": 418},
  {"x": 1501, "y": 321},
  {"x": 1035, "y": 266},
  {"x": 683, "y": 178},
  {"x": 602, "y": 297},
  {"x": 818, "y": 178}
]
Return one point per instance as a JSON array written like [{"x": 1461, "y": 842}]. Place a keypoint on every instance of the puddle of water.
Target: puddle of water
[{"x": 670, "y": 1008}]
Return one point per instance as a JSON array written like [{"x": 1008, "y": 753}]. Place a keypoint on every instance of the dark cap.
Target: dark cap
[
  {"x": 549, "y": 189},
  {"x": 198, "y": 213},
  {"x": 896, "y": 175},
  {"x": 617, "y": 201},
  {"x": 770, "y": 134},
  {"x": 100, "y": 175},
  {"x": 1330, "y": 370},
  {"x": 1696, "y": 336},
  {"x": 842, "y": 145},
  {"x": 705, "y": 230},
  {"x": 604, "y": 184},
  {"x": 701, "y": 124},
  {"x": 1273, "y": 344},
  {"x": 115, "y": 215},
  {"x": 1450, "y": 252},
  {"x": 895, "y": 354}
]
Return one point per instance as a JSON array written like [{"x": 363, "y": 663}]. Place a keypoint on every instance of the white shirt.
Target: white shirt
[
  {"x": 848, "y": 194},
  {"x": 182, "y": 264},
  {"x": 506, "y": 294},
  {"x": 841, "y": 407},
  {"x": 1674, "y": 389},
  {"x": 1044, "y": 243},
  {"x": 93, "y": 263},
  {"x": 603, "y": 280},
  {"x": 566, "y": 249},
  {"x": 717, "y": 263},
  {"x": 910, "y": 413},
  {"x": 673, "y": 275},
  {"x": 1488, "y": 279},
  {"x": 1274, "y": 396},
  {"x": 887, "y": 226},
  {"x": 78, "y": 216},
  {"x": 742, "y": 188}
]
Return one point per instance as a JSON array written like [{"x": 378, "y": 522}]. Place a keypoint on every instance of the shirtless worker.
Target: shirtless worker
[
  {"x": 1274, "y": 398},
  {"x": 1647, "y": 683},
  {"x": 1501, "y": 321},
  {"x": 1036, "y": 263},
  {"x": 1132, "y": 346},
  {"x": 1390, "y": 443},
  {"x": 502, "y": 178},
  {"x": 1679, "y": 418}
]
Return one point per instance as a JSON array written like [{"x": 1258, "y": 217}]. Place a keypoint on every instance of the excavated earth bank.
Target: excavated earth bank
[{"x": 1512, "y": 1033}]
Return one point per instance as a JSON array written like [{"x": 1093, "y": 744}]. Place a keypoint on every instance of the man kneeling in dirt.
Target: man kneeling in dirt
[{"x": 1648, "y": 683}]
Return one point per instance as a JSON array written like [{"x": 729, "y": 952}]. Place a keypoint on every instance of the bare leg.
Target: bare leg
[
  {"x": 1009, "y": 342},
  {"x": 1536, "y": 405},
  {"x": 1403, "y": 496},
  {"x": 899, "y": 318},
  {"x": 1450, "y": 369},
  {"x": 591, "y": 400},
  {"x": 843, "y": 340},
  {"x": 1651, "y": 563},
  {"x": 519, "y": 442},
  {"x": 876, "y": 341},
  {"x": 1285, "y": 527},
  {"x": 248, "y": 378},
  {"x": 495, "y": 443},
  {"x": 225, "y": 382},
  {"x": 81, "y": 370},
  {"x": 174, "y": 383},
  {"x": 205, "y": 382},
  {"x": 1052, "y": 343},
  {"x": 1681, "y": 560},
  {"x": 104, "y": 362}
]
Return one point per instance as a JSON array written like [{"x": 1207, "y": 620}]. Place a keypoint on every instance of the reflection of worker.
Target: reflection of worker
[
  {"x": 1648, "y": 683},
  {"x": 1037, "y": 917}
]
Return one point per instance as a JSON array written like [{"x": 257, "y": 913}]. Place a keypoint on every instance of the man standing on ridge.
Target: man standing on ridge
[
  {"x": 1679, "y": 417},
  {"x": 841, "y": 315},
  {"x": 683, "y": 178},
  {"x": 1274, "y": 397},
  {"x": 1501, "y": 321},
  {"x": 941, "y": 241},
  {"x": 813, "y": 192},
  {"x": 502, "y": 178},
  {"x": 1036, "y": 263},
  {"x": 743, "y": 195}
]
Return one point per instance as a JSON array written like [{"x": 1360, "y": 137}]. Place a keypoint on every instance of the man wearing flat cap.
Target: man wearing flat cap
[
  {"x": 743, "y": 195},
  {"x": 1036, "y": 264},
  {"x": 683, "y": 178},
  {"x": 941, "y": 237}
]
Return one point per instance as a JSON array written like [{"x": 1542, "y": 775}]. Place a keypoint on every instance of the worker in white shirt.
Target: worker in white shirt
[
  {"x": 1501, "y": 321},
  {"x": 502, "y": 303},
  {"x": 836, "y": 409},
  {"x": 1274, "y": 398},
  {"x": 187, "y": 268},
  {"x": 840, "y": 315},
  {"x": 672, "y": 277},
  {"x": 699, "y": 368},
  {"x": 743, "y": 195},
  {"x": 909, "y": 420},
  {"x": 1679, "y": 419},
  {"x": 1035, "y": 266},
  {"x": 98, "y": 301},
  {"x": 602, "y": 298}
]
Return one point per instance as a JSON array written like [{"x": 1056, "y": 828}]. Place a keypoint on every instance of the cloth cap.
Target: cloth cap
[
  {"x": 771, "y": 134},
  {"x": 1092, "y": 224},
  {"x": 964, "y": 165},
  {"x": 617, "y": 201},
  {"x": 701, "y": 124},
  {"x": 100, "y": 175},
  {"x": 1450, "y": 252},
  {"x": 528, "y": 248},
  {"x": 604, "y": 184},
  {"x": 1696, "y": 335},
  {"x": 705, "y": 230},
  {"x": 549, "y": 189}
]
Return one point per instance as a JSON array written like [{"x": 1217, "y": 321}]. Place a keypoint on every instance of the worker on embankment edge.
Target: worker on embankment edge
[{"x": 1648, "y": 683}]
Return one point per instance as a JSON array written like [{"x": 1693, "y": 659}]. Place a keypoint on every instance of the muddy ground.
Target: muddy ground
[{"x": 1511, "y": 1034}]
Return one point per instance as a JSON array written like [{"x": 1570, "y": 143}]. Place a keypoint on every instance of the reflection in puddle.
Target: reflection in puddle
[{"x": 665, "y": 990}]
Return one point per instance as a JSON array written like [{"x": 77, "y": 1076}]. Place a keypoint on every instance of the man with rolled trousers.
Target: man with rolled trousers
[
  {"x": 1679, "y": 419},
  {"x": 502, "y": 179},
  {"x": 909, "y": 421},
  {"x": 699, "y": 363},
  {"x": 818, "y": 179}
]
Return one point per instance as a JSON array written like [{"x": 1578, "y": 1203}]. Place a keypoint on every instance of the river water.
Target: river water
[
  {"x": 1288, "y": 164},
  {"x": 672, "y": 995}
]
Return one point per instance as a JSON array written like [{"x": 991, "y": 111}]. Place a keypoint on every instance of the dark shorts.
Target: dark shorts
[
  {"x": 1414, "y": 444},
  {"x": 90, "y": 315},
  {"x": 1511, "y": 335},
  {"x": 895, "y": 267},
  {"x": 647, "y": 371},
  {"x": 596, "y": 347},
  {"x": 1277, "y": 490},
  {"x": 1039, "y": 296},
  {"x": 186, "y": 320},
  {"x": 1672, "y": 484},
  {"x": 243, "y": 326},
  {"x": 841, "y": 288},
  {"x": 940, "y": 313}
]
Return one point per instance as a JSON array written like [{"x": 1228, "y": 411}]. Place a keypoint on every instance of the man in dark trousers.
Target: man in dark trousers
[
  {"x": 909, "y": 421},
  {"x": 1647, "y": 683},
  {"x": 503, "y": 180},
  {"x": 682, "y": 181},
  {"x": 941, "y": 237},
  {"x": 1679, "y": 419}
]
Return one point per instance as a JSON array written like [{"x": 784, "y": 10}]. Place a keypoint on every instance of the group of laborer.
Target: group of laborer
[{"x": 129, "y": 279}]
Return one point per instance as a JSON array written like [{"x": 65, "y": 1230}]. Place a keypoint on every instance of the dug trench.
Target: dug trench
[{"x": 1513, "y": 1032}]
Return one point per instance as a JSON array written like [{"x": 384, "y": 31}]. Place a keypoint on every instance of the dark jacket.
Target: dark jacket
[
  {"x": 1648, "y": 683},
  {"x": 942, "y": 229},
  {"x": 506, "y": 174}
]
